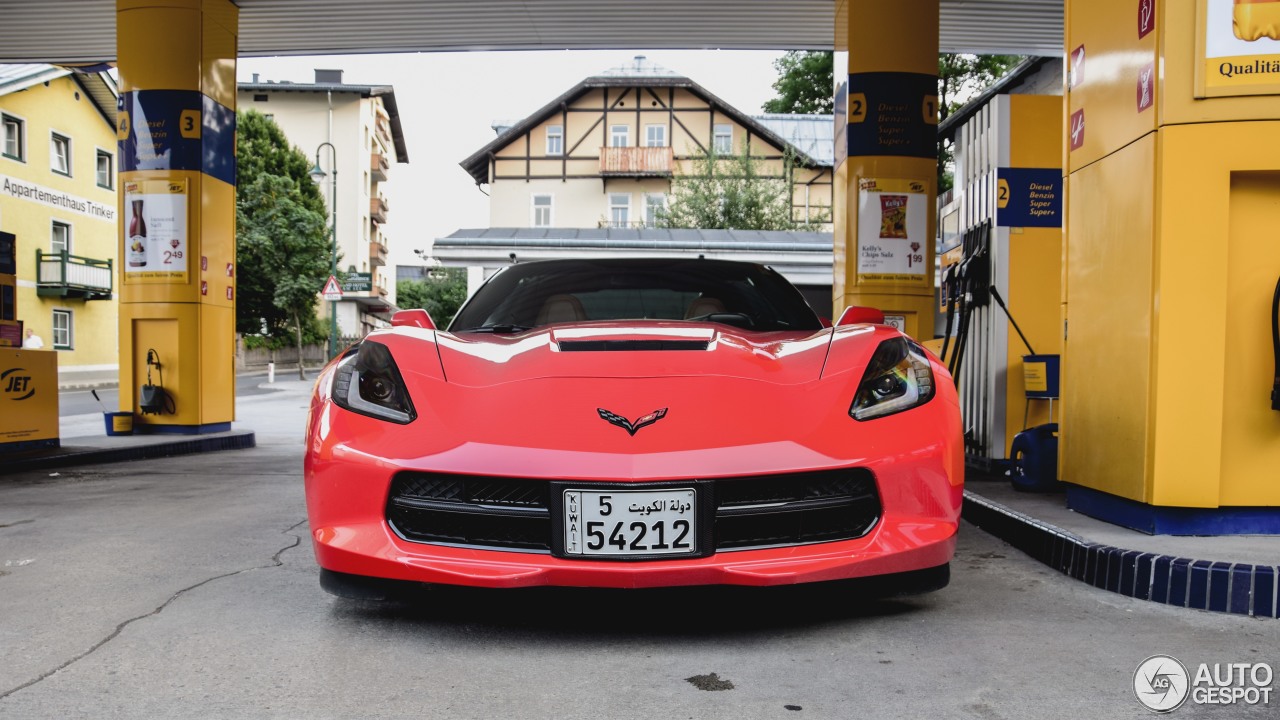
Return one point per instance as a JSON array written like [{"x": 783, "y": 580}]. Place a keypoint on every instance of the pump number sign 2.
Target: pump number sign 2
[{"x": 893, "y": 231}]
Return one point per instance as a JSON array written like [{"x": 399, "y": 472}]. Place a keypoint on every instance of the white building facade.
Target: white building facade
[{"x": 362, "y": 123}]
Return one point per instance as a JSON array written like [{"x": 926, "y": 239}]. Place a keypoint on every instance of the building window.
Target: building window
[
  {"x": 14, "y": 147},
  {"x": 655, "y": 136},
  {"x": 619, "y": 136},
  {"x": 62, "y": 330},
  {"x": 60, "y": 237},
  {"x": 60, "y": 154},
  {"x": 654, "y": 205},
  {"x": 619, "y": 210},
  {"x": 542, "y": 211},
  {"x": 106, "y": 170},
  {"x": 722, "y": 139},
  {"x": 555, "y": 139}
]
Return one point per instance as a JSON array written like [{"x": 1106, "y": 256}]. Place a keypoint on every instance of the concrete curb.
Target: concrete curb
[
  {"x": 1238, "y": 588},
  {"x": 81, "y": 455}
]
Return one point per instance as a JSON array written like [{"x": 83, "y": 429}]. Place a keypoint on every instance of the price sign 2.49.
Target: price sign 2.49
[{"x": 156, "y": 239}]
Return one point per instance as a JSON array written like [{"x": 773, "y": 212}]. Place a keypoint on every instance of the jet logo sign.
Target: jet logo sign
[{"x": 16, "y": 386}]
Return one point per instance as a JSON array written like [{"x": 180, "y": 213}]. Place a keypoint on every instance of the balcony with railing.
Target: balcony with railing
[
  {"x": 378, "y": 209},
  {"x": 378, "y": 166},
  {"x": 636, "y": 161},
  {"x": 377, "y": 254},
  {"x": 61, "y": 274}
]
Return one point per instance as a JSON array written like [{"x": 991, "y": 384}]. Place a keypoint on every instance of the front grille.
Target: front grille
[
  {"x": 470, "y": 510},
  {"x": 751, "y": 512},
  {"x": 795, "y": 509}
]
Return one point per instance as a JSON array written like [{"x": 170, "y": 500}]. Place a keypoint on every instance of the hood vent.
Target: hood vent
[{"x": 630, "y": 345}]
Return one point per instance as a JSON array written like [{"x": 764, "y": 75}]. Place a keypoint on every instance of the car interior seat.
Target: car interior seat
[
  {"x": 703, "y": 306},
  {"x": 561, "y": 308}
]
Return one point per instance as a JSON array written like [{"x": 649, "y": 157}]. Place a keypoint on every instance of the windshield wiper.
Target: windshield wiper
[
  {"x": 498, "y": 328},
  {"x": 738, "y": 319}
]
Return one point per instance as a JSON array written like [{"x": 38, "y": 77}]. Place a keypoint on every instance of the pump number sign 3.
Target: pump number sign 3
[{"x": 630, "y": 522}]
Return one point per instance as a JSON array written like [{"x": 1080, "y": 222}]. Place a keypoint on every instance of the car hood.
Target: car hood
[{"x": 633, "y": 350}]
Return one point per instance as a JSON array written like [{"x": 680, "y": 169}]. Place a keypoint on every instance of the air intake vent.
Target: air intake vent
[{"x": 630, "y": 345}]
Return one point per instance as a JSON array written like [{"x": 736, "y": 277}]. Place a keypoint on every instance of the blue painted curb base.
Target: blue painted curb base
[
  {"x": 24, "y": 445},
  {"x": 1237, "y": 588},
  {"x": 69, "y": 456},
  {"x": 141, "y": 429},
  {"x": 1161, "y": 520}
]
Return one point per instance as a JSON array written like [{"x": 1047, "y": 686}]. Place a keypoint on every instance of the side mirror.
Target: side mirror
[
  {"x": 413, "y": 318},
  {"x": 857, "y": 314}
]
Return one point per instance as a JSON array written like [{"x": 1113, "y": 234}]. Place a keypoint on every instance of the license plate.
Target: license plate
[{"x": 630, "y": 522}]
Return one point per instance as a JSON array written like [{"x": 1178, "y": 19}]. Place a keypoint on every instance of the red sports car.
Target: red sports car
[{"x": 633, "y": 423}]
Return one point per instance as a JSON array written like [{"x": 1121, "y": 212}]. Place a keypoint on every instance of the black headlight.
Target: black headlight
[
  {"x": 898, "y": 378},
  {"x": 369, "y": 383}
]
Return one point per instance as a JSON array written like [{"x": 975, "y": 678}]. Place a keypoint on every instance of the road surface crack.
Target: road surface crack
[{"x": 275, "y": 562}]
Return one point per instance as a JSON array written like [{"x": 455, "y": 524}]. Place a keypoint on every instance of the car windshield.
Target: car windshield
[{"x": 528, "y": 295}]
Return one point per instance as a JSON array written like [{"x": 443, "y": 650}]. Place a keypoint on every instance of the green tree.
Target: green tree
[
  {"x": 961, "y": 77},
  {"x": 440, "y": 294},
  {"x": 729, "y": 192},
  {"x": 804, "y": 83},
  {"x": 263, "y": 150},
  {"x": 276, "y": 229}
]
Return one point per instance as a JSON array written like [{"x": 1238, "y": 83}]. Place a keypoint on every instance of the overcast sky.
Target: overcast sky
[{"x": 448, "y": 101}]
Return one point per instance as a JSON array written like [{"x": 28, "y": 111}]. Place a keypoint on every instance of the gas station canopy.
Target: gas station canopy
[{"x": 84, "y": 31}]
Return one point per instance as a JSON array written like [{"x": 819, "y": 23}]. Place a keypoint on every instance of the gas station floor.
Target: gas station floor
[{"x": 1237, "y": 574}]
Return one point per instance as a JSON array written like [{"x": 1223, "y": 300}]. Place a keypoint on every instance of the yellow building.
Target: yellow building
[{"x": 58, "y": 198}]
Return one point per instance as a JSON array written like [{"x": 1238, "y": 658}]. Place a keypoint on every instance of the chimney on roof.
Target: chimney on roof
[
  {"x": 328, "y": 77},
  {"x": 255, "y": 78}
]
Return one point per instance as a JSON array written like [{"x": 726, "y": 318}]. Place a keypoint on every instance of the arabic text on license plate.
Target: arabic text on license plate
[{"x": 630, "y": 522}]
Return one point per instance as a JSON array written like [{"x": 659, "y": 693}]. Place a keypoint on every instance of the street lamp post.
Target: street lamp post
[{"x": 318, "y": 175}]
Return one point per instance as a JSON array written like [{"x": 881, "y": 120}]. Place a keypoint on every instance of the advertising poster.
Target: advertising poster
[
  {"x": 1238, "y": 48},
  {"x": 893, "y": 230},
  {"x": 155, "y": 239}
]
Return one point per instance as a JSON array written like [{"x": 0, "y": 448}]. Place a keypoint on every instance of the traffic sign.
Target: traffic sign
[{"x": 332, "y": 290}]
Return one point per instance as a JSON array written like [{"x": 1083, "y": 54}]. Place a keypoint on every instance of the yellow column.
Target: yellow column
[
  {"x": 884, "y": 233},
  {"x": 177, "y": 210},
  {"x": 1173, "y": 181}
]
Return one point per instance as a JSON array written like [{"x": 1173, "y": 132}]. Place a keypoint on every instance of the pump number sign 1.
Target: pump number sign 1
[{"x": 893, "y": 231}]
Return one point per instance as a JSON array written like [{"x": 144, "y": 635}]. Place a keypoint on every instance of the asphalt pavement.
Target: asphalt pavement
[
  {"x": 81, "y": 402},
  {"x": 186, "y": 587}
]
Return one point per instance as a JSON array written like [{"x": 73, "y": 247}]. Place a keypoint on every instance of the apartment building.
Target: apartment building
[
  {"x": 603, "y": 154},
  {"x": 58, "y": 201},
  {"x": 589, "y": 174},
  {"x": 361, "y": 123}
]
